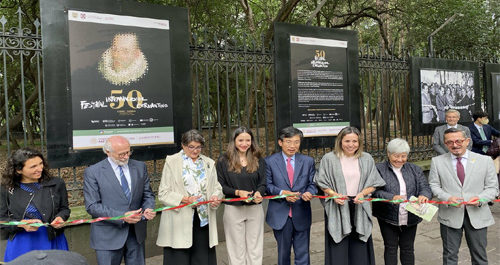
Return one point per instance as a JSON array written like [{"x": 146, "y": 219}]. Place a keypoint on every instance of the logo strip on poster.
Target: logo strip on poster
[
  {"x": 117, "y": 20},
  {"x": 316, "y": 41}
]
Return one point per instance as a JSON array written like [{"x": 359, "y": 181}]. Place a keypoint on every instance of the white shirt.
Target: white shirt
[
  {"x": 126, "y": 172},
  {"x": 464, "y": 160},
  {"x": 403, "y": 213}
]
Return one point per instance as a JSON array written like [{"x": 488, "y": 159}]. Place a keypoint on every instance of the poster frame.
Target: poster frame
[
  {"x": 491, "y": 93},
  {"x": 57, "y": 83},
  {"x": 283, "y": 75},
  {"x": 418, "y": 63}
]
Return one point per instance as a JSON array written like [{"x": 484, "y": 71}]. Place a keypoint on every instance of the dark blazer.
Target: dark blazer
[
  {"x": 277, "y": 180},
  {"x": 105, "y": 197},
  {"x": 416, "y": 185},
  {"x": 51, "y": 201},
  {"x": 477, "y": 141}
]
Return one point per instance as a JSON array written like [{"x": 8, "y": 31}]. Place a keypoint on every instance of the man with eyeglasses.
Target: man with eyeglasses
[
  {"x": 467, "y": 181},
  {"x": 113, "y": 187},
  {"x": 290, "y": 173}
]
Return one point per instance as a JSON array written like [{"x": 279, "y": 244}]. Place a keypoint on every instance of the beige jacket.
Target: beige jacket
[{"x": 176, "y": 226}]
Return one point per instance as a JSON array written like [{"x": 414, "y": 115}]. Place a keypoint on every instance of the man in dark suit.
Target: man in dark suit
[
  {"x": 113, "y": 187},
  {"x": 481, "y": 133},
  {"x": 290, "y": 173}
]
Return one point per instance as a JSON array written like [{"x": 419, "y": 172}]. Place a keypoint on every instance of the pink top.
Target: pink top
[
  {"x": 350, "y": 169},
  {"x": 403, "y": 213}
]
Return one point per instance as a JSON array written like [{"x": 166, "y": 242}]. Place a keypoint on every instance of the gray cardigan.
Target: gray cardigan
[{"x": 330, "y": 176}]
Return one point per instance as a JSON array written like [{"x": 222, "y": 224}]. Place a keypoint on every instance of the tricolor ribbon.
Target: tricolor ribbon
[{"x": 247, "y": 199}]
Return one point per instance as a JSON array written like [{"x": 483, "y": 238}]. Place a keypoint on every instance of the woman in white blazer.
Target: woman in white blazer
[{"x": 189, "y": 234}]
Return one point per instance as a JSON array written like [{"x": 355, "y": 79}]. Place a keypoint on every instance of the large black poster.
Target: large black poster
[
  {"x": 120, "y": 79},
  {"x": 319, "y": 95}
]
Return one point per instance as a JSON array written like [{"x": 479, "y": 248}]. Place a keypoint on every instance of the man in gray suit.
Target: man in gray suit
[
  {"x": 452, "y": 117},
  {"x": 463, "y": 176},
  {"x": 113, "y": 187}
]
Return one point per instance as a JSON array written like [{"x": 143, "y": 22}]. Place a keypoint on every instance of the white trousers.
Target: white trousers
[{"x": 244, "y": 230}]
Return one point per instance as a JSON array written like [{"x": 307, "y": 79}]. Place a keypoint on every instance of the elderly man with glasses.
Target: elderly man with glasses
[
  {"x": 452, "y": 117},
  {"x": 113, "y": 187}
]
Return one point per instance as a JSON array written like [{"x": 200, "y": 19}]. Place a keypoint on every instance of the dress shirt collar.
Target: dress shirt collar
[
  {"x": 286, "y": 157},
  {"x": 115, "y": 166},
  {"x": 464, "y": 156},
  {"x": 478, "y": 126}
]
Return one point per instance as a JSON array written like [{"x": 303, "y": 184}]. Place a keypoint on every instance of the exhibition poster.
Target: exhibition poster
[
  {"x": 319, "y": 94},
  {"x": 120, "y": 79}
]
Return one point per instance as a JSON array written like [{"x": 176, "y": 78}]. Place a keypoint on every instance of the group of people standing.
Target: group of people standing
[
  {"x": 437, "y": 99},
  {"x": 120, "y": 186}
]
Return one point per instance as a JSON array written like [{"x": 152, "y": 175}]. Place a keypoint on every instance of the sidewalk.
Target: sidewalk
[{"x": 427, "y": 245}]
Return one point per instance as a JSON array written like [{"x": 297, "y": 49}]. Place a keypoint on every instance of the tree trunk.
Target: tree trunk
[
  {"x": 30, "y": 128},
  {"x": 18, "y": 118}
]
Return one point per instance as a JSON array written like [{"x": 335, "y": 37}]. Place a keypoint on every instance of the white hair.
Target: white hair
[
  {"x": 398, "y": 145},
  {"x": 107, "y": 146},
  {"x": 452, "y": 111}
]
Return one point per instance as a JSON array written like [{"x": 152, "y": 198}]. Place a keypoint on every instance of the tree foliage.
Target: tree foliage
[{"x": 391, "y": 25}]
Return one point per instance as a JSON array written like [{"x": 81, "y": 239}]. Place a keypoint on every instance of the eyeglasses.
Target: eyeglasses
[
  {"x": 124, "y": 154},
  {"x": 289, "y": 142},
  {"x": 457, "y": 142},
  {"x": 192, "y": 148}
]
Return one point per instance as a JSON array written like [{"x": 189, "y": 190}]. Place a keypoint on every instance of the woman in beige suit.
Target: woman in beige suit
[{"x": 189, "y": 234}]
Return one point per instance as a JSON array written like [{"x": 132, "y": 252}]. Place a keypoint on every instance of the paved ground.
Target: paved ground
[{"x": 427, "y": 245}]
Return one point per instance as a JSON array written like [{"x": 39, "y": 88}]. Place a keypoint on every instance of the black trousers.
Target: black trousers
[
  {"x": 199, "y": 253},
  {"x": 398, "y": 236},
  {"x": 351, "y": 250}
]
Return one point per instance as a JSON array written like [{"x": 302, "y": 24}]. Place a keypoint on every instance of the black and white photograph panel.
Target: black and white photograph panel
[{"x": 443, "y": 89}]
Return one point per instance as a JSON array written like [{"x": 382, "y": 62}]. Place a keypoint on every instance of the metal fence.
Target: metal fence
[{"x": 232, "y": 85}]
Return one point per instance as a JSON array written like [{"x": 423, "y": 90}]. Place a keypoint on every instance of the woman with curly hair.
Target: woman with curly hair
[{"x": 29, "y": 194}]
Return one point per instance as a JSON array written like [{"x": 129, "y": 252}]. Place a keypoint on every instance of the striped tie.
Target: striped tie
[{"x": 124, "y": 181}]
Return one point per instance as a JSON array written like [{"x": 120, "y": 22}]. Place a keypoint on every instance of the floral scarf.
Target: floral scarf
[{"x": 195, "y": 182}]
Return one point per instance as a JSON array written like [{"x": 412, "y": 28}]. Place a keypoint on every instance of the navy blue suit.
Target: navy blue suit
[
  {"x": 294, "y": 230},
  {"x": 104, "y": 197},
  {"x": 477, "y": 141}
]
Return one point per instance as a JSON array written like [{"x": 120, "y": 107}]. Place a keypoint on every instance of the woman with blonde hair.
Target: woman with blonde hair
[{"x": 349, "y": 174}]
